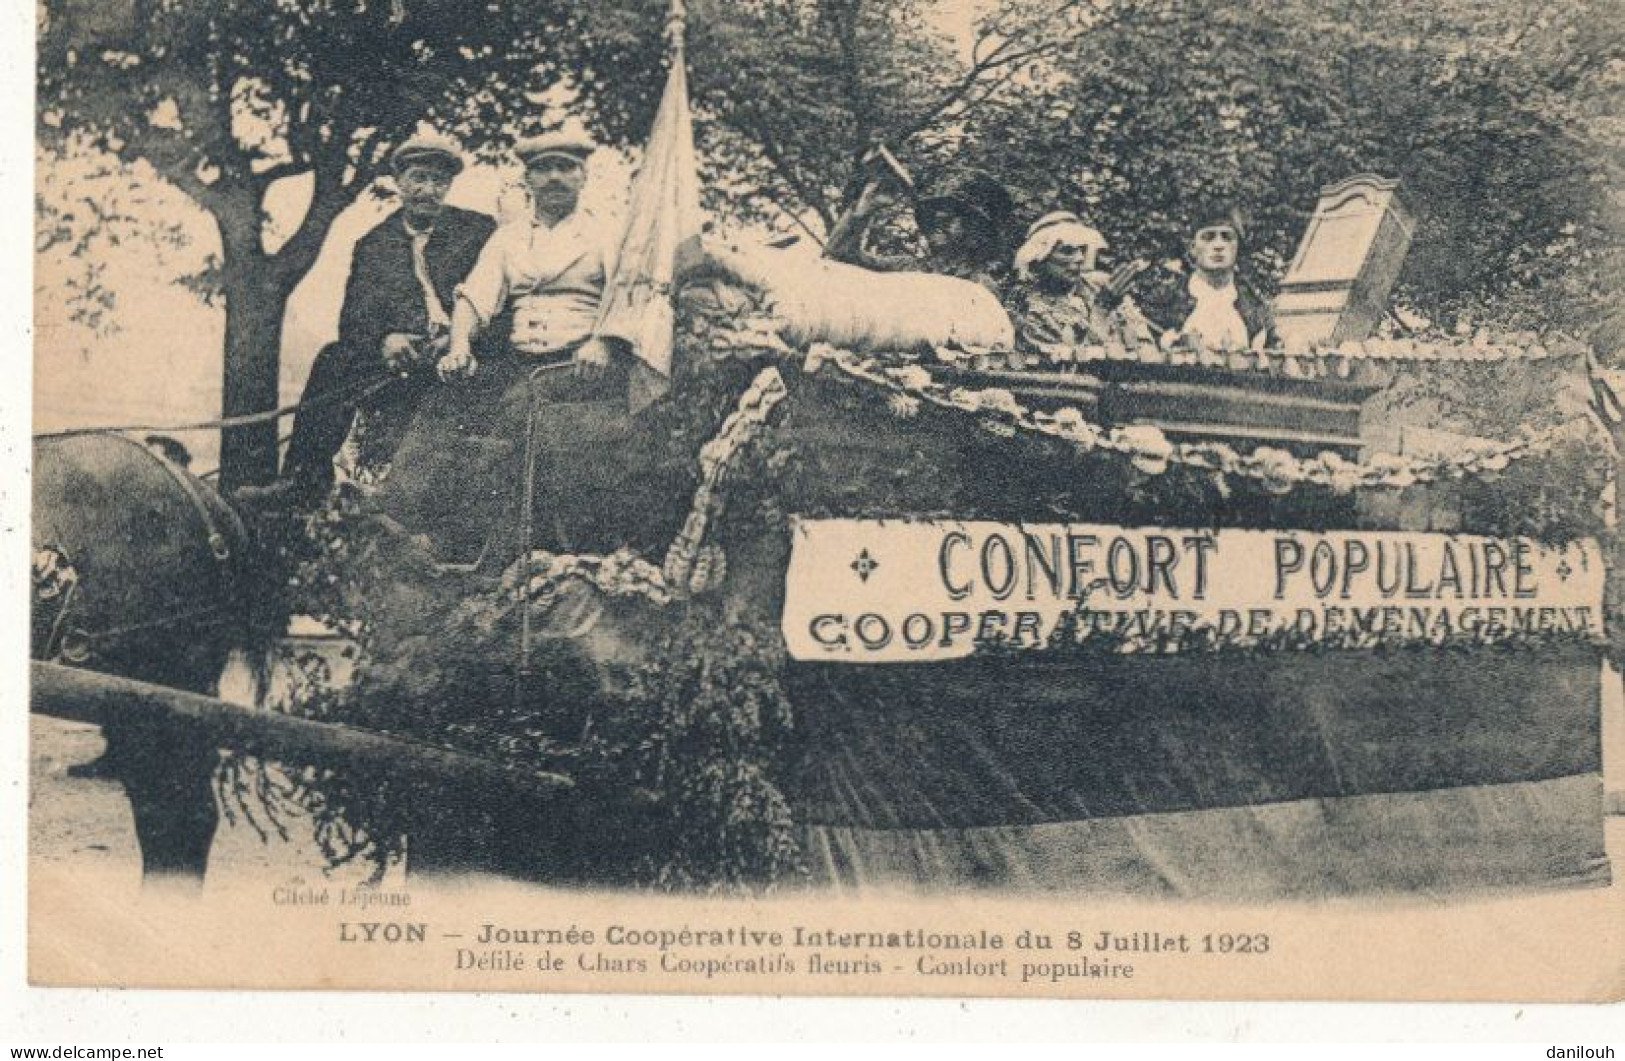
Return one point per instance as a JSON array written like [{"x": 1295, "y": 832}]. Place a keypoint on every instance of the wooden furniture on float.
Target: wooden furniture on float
[{"x": 1337, "y": 287}]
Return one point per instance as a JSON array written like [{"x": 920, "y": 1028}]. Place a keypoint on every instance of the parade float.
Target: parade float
[{"x": 888, "y": 622}]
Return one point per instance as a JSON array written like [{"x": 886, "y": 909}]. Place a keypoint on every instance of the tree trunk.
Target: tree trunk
[{"x": 256, "y": 301}]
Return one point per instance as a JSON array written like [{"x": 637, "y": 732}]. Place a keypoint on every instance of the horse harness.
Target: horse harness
[{"x": 56, "y": 578}]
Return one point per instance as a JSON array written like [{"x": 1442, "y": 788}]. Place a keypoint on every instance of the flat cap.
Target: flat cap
[
  {"x": 429, "y": 149},
  {"x": 573, "y": 145}
]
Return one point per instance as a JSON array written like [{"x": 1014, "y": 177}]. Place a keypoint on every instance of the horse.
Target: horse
[{"x": 139, "y": 570}]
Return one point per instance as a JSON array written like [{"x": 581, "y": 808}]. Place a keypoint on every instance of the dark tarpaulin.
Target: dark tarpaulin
[
  {"x": 1293, "y": 773},
  {"x": 1543, "y": 834}
]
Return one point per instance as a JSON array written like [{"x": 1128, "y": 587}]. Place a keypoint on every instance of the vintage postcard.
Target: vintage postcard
[{"x": 1031, "y": 498}]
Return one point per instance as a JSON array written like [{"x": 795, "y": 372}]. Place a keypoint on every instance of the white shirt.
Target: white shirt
[{"x": 553, "y": 276}]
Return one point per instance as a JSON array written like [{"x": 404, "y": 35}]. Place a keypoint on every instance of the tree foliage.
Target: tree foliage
[
  {"x": 1502, "y": 118},
  {"x": 791, "y": 94},
  {"x": 83, "y": 217}
]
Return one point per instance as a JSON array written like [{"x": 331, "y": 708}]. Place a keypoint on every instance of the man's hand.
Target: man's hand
[
  {"x": 400, "y": 351},
  {"x": 592, "y": 358},
  {"x": 458, "y": 364}
]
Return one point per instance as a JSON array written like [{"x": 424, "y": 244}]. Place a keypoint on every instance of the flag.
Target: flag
[{"x": 664, "y": 215}]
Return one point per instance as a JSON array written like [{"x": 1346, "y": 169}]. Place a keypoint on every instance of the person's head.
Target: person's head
[
  {"x": 1058, "y": 251},
  {"x": 555, "y": 171},
  {"x": 953, "y": 231},
  {"x": 1215, "y": 243},
  {"x": 967, "y": 222},
  {"x": 424, "y": 168}
]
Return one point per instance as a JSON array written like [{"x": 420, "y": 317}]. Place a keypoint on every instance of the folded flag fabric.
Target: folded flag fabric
[{"x": 664, "y": 214}]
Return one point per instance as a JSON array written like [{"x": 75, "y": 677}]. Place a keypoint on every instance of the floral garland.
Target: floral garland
[
  {"x": 751, "y": 333},
  {"x": 1152, "y": 453}
]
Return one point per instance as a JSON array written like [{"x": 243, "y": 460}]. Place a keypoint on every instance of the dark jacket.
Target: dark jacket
[
  {"x": 383, "y": 294},
  {"x": 1170, "y": 304}
]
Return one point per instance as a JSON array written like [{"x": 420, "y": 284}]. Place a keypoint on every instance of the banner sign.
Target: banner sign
[{"x": 885, "y": 591}]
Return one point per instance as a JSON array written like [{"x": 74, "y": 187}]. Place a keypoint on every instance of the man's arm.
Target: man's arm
[
  {"x": 466, "y": 234},
  {"x": 361, "y": 315},
  {"x": 593, "y": 357},
  {"x": 845, "y": 242},
  {"x": 373, "y": 320},
  {"x": 1261, "y": 328}
]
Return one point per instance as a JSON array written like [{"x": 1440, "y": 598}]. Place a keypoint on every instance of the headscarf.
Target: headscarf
[{"x": 1044, "y": 234}]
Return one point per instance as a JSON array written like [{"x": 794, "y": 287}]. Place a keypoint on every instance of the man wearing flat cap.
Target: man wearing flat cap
[
  {"x": 547, "y": 270},
  {"x": 396, "y": 313}
]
